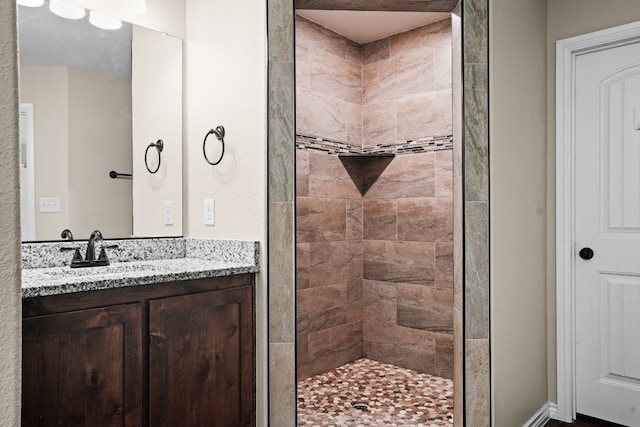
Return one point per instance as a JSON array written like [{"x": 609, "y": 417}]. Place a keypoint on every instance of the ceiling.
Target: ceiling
[{"x": 366, "y": 26}]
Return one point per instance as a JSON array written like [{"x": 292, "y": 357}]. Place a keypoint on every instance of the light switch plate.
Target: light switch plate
[
  {"x": 168, "y": 213},
  {"x": 209, "y": 212},
  {"x": 49, "y": 204}
]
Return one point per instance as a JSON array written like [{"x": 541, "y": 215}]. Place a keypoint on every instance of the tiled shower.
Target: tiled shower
[{"x": 374, "y": 233}]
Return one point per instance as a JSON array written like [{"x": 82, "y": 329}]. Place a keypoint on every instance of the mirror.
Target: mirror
[{"x": 91, "y": 101}]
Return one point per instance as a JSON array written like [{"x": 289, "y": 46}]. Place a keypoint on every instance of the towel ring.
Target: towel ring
[
  {"x": 219, "y": 133},
  {"x": 159, "y": 145}
]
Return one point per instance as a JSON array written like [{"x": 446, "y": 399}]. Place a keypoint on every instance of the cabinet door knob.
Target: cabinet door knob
[{"x": 586, "y": 253}]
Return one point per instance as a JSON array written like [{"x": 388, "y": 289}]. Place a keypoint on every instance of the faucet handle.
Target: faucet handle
[{"x": 109, "y": 246}]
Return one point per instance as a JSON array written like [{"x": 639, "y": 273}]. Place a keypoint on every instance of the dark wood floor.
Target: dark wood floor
[{"x": 582, "y": 421}]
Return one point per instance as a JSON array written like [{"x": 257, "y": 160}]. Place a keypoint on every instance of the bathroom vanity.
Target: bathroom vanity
[{"x": 142, "y": 343}]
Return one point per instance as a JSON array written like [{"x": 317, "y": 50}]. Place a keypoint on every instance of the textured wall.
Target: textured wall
[
  {"x": 517, "y": 217},
  {"x": 10, "y": 317}
]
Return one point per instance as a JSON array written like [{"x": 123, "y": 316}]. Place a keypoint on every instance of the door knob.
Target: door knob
[{"x": 586, "y": 253}]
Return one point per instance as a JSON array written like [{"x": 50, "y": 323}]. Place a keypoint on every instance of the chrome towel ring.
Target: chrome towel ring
[
  {"x": 159, "y": 145},
  {"x": 219, "y": 133}
]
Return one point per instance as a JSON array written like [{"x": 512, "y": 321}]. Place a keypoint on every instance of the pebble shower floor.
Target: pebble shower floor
[{"x": 370, "y": 393}]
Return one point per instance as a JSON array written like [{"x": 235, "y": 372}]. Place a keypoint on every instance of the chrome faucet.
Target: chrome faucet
[
  {"x": 67, "y": 234},
  {"x": 91, "y": 246}
]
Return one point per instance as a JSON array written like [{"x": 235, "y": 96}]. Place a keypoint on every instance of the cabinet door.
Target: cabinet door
[
  {"x": 83, "y": 368},
  {"x": 201, "y": 359}
]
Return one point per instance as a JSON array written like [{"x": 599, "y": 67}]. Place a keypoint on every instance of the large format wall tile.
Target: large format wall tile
[
  {"x": 320, "y": 220},
  {"x": 334, "y": 262},
  {"x": 444, "y": 265},
  {"x": 428, "y": 114},
  {"x": 379, "y": 300},
  {"x": 329, "y": 178},
  {"x": 406, "y": 176},
  {"x": 334, "y": 76},
  {"x": 406, "y": 347},
  {"x": 400, "y": 262},
  {"x": 334, "y": 347},
  {"x": 331, "y": 117},
  {"x": 354, "y": 219},
  {"x": 302, "y": 173},
  {"x": 425, "y": 308},
  {"x": 379, "y": 122},
  {"x": 380, "y": 219},
  {"x": 426, "y": 219},
  {"x": 303, "y": 261},
  {"x": 444, "y": 173},
  {"x": 321, "y": 308}
]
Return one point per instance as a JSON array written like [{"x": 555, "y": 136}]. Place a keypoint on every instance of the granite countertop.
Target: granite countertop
[{"x": 200, "y": 259}]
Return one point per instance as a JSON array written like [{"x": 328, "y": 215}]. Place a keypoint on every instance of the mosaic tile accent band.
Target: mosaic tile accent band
[
  {"x": 370, "y": 393},
  {"x": 410, "y": 146}
]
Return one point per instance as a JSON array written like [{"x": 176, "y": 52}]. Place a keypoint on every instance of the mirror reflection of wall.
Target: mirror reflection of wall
[{"x": 77, "y": 80}]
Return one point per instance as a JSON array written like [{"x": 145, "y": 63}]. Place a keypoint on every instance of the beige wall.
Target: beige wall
[
  {"x": 517, "y": 216},
  {"x": 225, "y": 84},
  {"x": 47, "y": 89},
  {"x": 99, "y": 141},
  {"x": 10, "y": 333},
  {"x": 568, "y": 18},
  {"x": 157, "y": 114}
]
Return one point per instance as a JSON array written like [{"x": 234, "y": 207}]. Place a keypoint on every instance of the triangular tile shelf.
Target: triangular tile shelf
[{"x": 365, "y": 168}]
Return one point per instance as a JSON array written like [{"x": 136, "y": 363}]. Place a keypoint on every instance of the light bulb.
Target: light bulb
[
  {"x": 66, "y": 10},
  {"x": 104, "y": 21},
  {"x": 31, "y": 3}
]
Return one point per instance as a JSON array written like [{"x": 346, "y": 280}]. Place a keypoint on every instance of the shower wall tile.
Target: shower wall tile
[
  {"x": 320, "y": 219},
  {"x": 329, "y": 96},
  {"x": 428, "y": 114},
  {"x": 429, "y": 309},
  {"x": 330, "y": 117},
  {"x": 442, "y": 67},
  {"x": 321, "y": 308},
  {"x": 400, "y": 262},
  {"x": 354, "y": 219},
  {"x": 334, "y": 347},
  {"x": 406, "y": 176},
  {"x": 334, "y": 262},
  {"x": 426, "y": 219},
  {"x": 444, "y": 173},
  {"x": 302, "y": 173},
  {"x": 317, "y": 37},
  {"x": 335, "y": 76},
  {"x": 379, "y": 122},
  {"x": 329, "y": 178},
  {"x": 406, "y": 80},
  {"x": 380, "y": 219},
  {"x": 375, "y": 51},
  {"x": 406, "y": 347},
  {"x": 303, "y": 261},
  {"x": 444, "y": 356},
  {"x": 353, "y": 52},
  {"x": 444, "y": 265},
  {"x": 354, "y": 301},
  {"x": 423, "y": 38},
  {"x": 379, "y": 300}
]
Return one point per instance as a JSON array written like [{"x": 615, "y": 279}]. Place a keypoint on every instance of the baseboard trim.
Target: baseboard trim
[
  {"x": 540, "y": 418},
  {"x": 553, "y": 410}
]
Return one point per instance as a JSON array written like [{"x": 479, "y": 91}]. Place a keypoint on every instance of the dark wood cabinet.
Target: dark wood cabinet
[
  {"x": 200, "y": 359},
  {"x": 175, "y": 354},
  {"x": 75, "y": 363}
]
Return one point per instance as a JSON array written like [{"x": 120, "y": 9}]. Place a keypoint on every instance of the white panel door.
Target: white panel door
[{"x": 607, "y": 221}]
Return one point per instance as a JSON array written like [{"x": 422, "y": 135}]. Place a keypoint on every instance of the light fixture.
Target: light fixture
[
  {"x": 105, "y": 22},
  {"x": 138, "y": 7},
  {"x": 66, "y": 10},
  {"x": 31, "y": 3}
]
